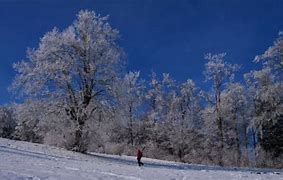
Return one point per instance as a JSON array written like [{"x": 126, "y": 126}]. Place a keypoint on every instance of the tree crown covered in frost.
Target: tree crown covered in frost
[{"x": 84, "y": 55}]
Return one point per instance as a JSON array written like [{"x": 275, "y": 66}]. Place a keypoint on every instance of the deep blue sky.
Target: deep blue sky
[{"x": 161, "y": 35}]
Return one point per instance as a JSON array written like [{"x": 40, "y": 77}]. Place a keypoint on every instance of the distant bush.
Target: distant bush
[{"x": 7, "y": 122}]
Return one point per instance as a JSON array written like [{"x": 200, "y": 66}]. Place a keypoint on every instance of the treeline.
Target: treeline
[{"x": 75, "y": 95}]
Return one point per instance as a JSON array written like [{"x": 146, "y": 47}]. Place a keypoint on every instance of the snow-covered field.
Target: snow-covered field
[{"x": 23, "y": 160}]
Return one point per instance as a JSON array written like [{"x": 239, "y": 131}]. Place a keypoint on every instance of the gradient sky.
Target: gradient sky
[{"x": 161, "y": 35}]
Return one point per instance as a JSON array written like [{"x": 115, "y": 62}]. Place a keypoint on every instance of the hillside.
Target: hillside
[{"x": 23, "y": 160}]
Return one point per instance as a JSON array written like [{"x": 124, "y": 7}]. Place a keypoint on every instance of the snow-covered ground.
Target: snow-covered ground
[{"x": 23, "y": 160}]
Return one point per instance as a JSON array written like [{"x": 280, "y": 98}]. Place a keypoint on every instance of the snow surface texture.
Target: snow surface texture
[{"x": 23, "y": 160}]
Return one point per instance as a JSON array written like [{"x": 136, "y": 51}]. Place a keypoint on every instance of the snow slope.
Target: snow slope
[{"x": 23, "y": 160}]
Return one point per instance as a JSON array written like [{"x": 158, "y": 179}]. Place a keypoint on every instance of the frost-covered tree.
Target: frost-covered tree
[
  {"x": 265, "y": 95},
  {"x": 158, "y": 93},
  {"x": 251, "y": 113},
  {"x": 273, "y": 58},
  {"x": 29, "y": 115},
  {"x": 269, "y": 81},
  {"x": 234, "y": 107},
  {"x": 74, "y": 67},
  {"x": 219, "y": 72},
  {"x": 267, "y": 113},
  {"x": 129, "y": 94},
  {"x": 187, "y": 122},
  {"x": 189, "y": 105},
  {"x": 159, "y": 112}
]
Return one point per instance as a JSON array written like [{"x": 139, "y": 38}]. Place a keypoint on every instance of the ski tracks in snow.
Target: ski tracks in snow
[
  {"x": 22, "y": 160},
  {"x": 120, "y": 176}
]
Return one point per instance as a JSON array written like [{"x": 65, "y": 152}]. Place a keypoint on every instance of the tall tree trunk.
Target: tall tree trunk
[
  {"x": 80, "y": 145},
  {"x": 246, "y": 153},
  {"x": 131, "y": 125},
  {"x": 238, "y": 150},
  {"x": 221, "y": 138},
  {"x": 219, "y": 121},
  {"x": 245, "y": 137},
  {"x": 254, "y": 145}
]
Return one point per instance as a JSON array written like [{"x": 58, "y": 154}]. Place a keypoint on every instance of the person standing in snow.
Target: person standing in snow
[{"x": 139, "y": 156}]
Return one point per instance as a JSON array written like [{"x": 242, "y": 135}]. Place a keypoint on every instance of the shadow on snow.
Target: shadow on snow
[
  {"x": 184, "y": 166},
  {"x": 177, "y": 166}
]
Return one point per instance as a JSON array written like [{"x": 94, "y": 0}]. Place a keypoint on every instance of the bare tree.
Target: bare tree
[
  {"x": 129, "y": 93},
  {"x": 218, "y": 71},
  {"x": 73, "y": 67}
]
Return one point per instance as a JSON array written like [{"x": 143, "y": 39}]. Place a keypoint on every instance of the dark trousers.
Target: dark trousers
[{"x": 139, "y": 162}]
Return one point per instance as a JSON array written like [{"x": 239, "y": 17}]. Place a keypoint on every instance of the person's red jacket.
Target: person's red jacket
[{"x": 139, "y": 154}]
